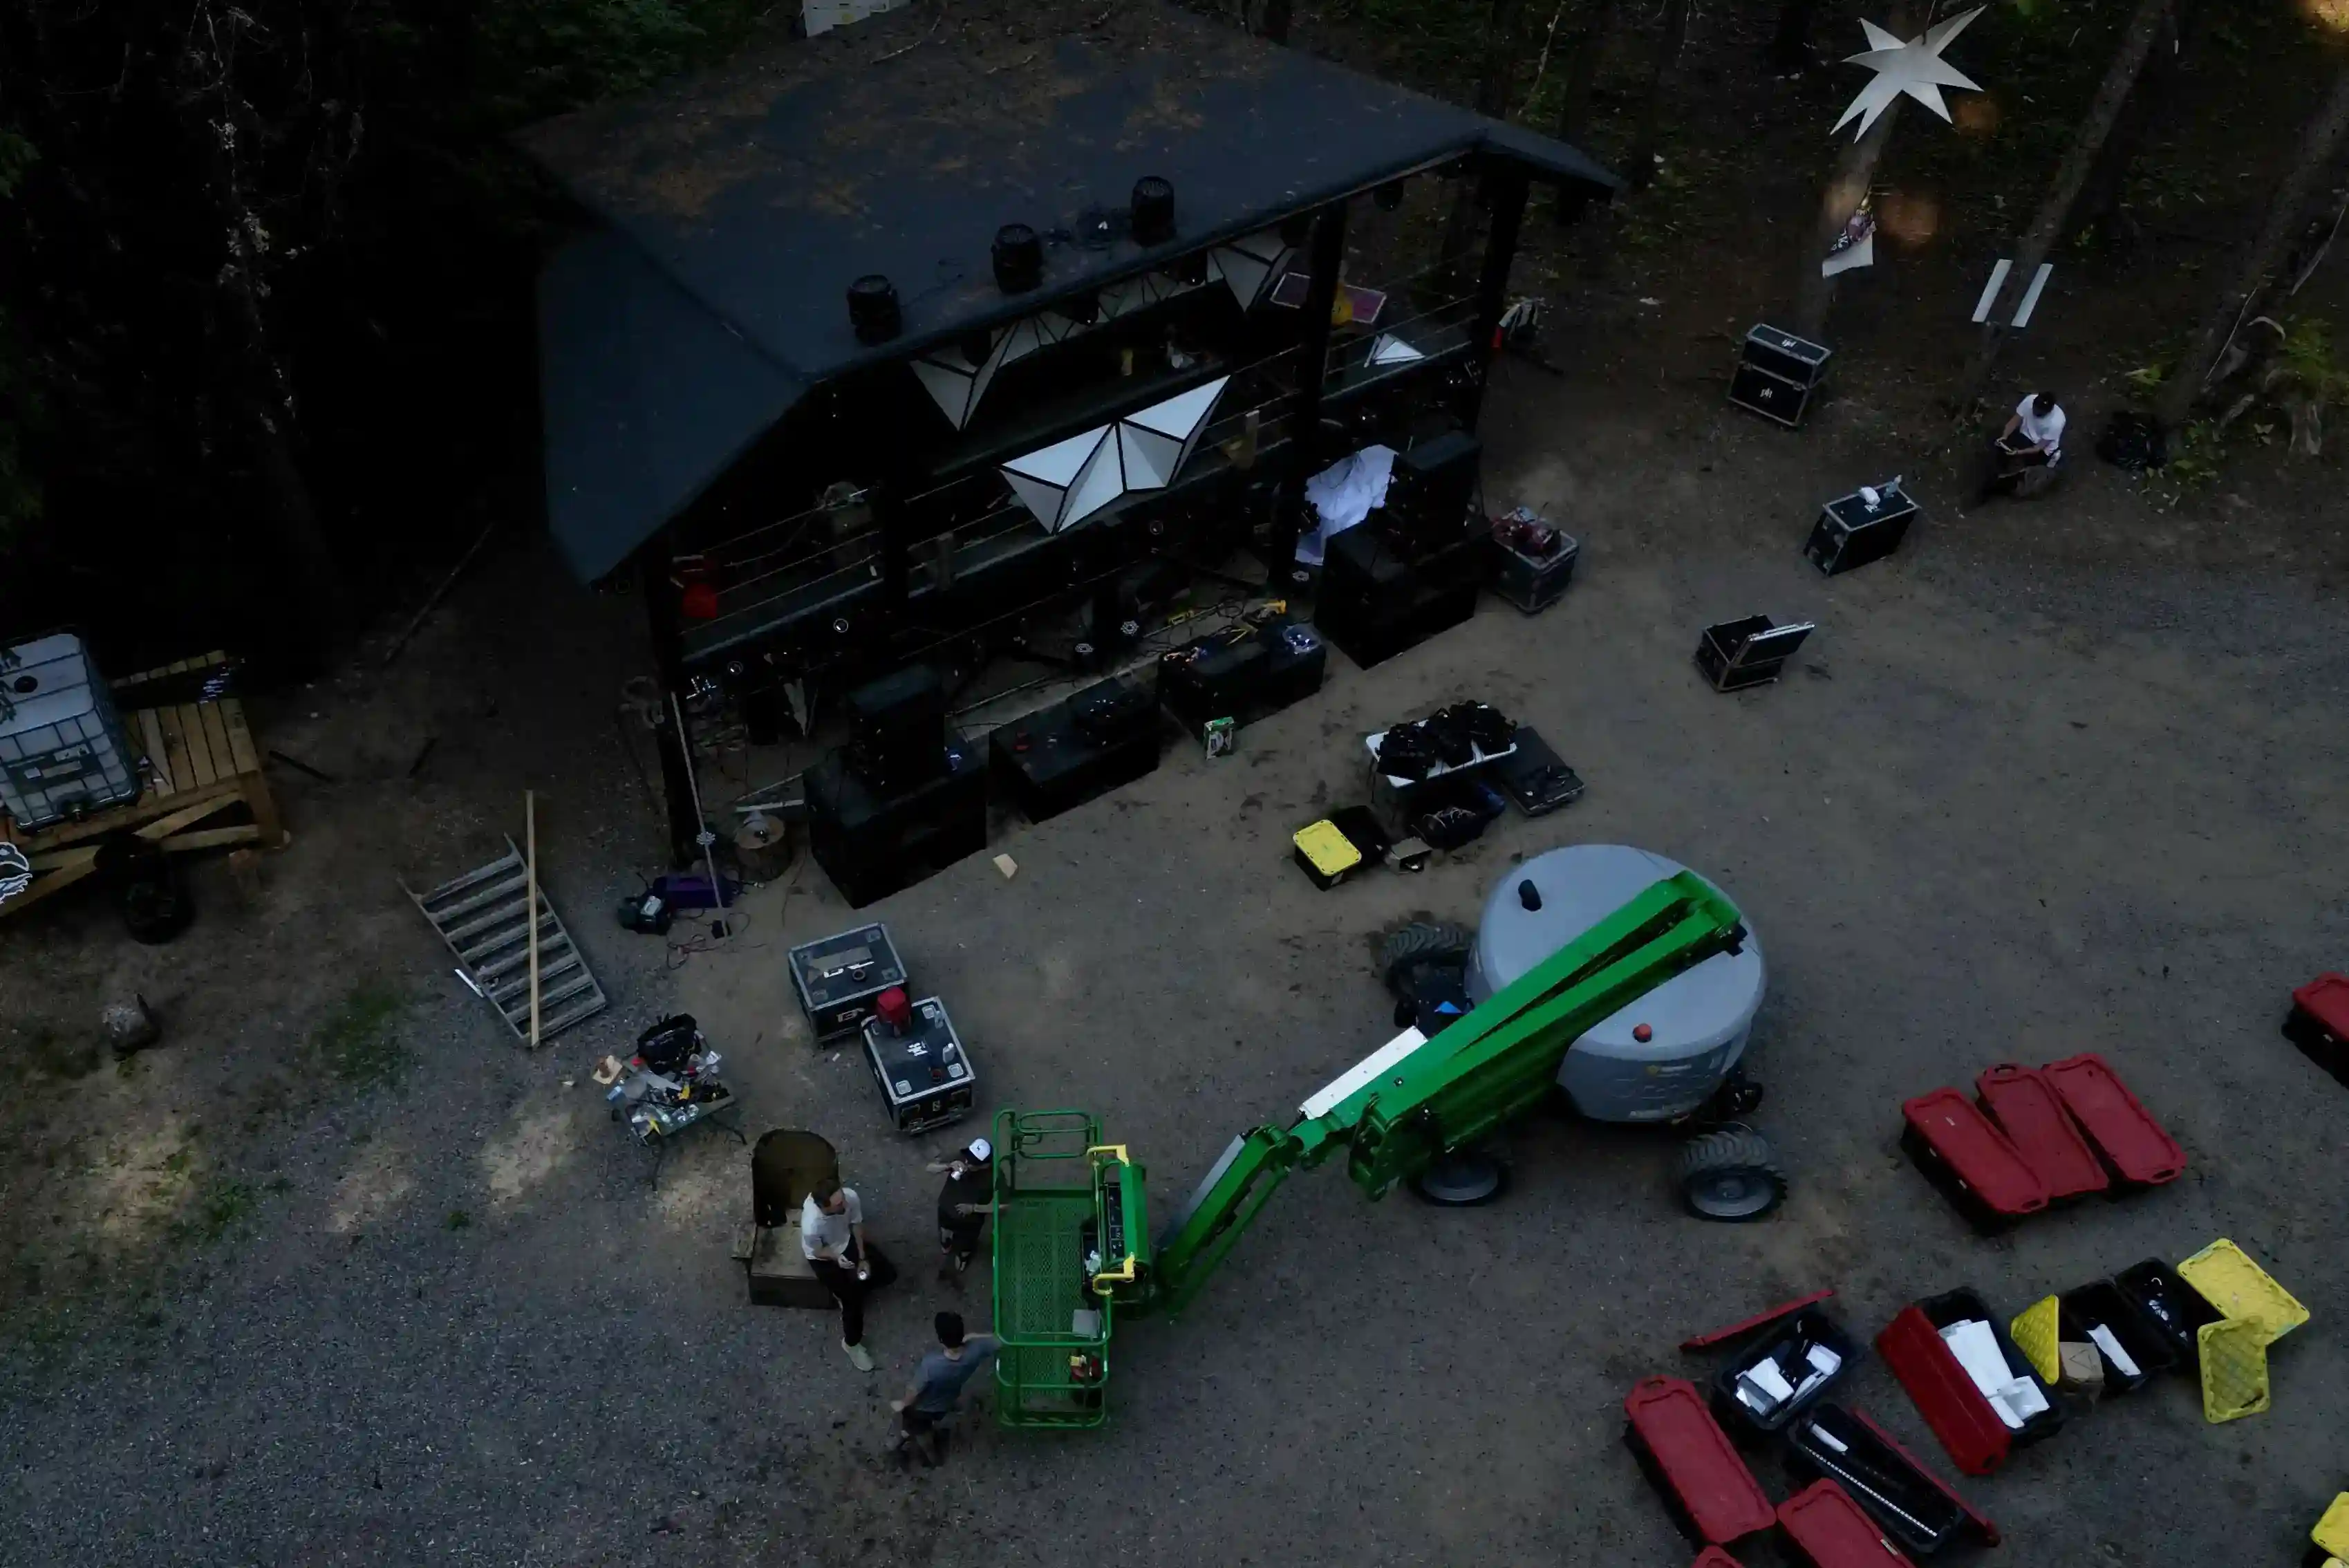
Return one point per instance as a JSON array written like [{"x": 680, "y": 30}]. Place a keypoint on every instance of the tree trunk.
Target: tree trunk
[
  {"x": 2099, "y": 205},
  {"x": 1582, "y": 54},
  {"x": 1495, "y": 78},
  {"x": 261, "y": 390},
  {"x": 1847, "y": 186},
  {"x": 1274, "y": 23},
  {"x": 1643, "y": 173},
  {"x": 2047, "y": 224},
  {"x": 1790, "y": 45},
  {"x": 2284, "y": 214}
]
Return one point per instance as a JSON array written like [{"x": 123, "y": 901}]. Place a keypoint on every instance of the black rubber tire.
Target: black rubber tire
[
  {"x": 1730, "y": 1175},
  {"x": 1423, "y": 941},
  {"x": 1475, "y": 1199}
]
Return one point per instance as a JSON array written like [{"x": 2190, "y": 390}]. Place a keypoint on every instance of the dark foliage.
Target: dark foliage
[{"x": 265, "y": 324}]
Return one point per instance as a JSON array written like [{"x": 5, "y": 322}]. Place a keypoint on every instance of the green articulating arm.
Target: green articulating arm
[{"x": 1409, "y": 1104}]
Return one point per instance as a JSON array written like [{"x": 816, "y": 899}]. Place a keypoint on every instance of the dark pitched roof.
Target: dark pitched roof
[{"x": 899, "y": 146}]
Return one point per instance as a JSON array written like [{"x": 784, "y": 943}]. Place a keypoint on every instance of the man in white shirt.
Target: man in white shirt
[
  {"x": 2029, "y": 448},
  {"x": 832, "y": 1239}
]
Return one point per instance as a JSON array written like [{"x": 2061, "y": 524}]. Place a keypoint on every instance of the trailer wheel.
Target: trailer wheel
[
  {"x": 1731, "y": 1174},
  {"x": 1436, "y": 942}
]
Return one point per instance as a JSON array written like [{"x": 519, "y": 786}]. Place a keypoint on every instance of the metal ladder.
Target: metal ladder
[{"x": 480, "y": 915}]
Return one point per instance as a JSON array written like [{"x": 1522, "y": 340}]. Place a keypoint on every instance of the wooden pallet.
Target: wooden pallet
[{"x": 199, "y": 761}]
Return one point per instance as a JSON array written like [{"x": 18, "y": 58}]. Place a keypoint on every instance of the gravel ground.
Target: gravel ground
[{"x": 2013, "y": 805}]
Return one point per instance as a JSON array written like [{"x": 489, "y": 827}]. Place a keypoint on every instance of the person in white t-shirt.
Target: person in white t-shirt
[
  {"x": 832, "y": 1239},
  {"x": 2029, "y": 448},
  {"x": 2039, "y": 420}
]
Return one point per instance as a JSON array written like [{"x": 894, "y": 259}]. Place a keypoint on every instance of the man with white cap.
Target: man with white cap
[{"x": 963, "y": 1203}]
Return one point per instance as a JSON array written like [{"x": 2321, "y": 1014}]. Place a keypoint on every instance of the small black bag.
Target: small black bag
[{"x": 665, "y": 1046}]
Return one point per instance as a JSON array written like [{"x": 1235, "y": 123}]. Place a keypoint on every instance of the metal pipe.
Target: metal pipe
[{"x": 719, "y": 930}]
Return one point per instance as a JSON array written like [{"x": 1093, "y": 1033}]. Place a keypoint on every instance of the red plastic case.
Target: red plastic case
[
  {"x": 1834, "y": 1532},
  {"x": 2324, "y": 1004},
  {"x": 1692, "y": 1456},
  {"x": 1946, "y": 1130},
  {"x": 2132, "y": 1142},
  {"x": 2031, "y": 1113}
]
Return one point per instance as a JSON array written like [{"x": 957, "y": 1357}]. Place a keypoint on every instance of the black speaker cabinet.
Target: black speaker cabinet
[
  {"x": 1433, "y": 487},
  {"x": 1375, "y": 601},
  {"x": 872, "y": 842},
  {"x": 1850, "y": 533},
  {"x": 1071, "y": 752},
  {"x": 1243, "y": 674},
  {"x": 897, "y": 728}
]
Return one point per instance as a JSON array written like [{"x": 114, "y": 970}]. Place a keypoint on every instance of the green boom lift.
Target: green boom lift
[{"x": 1072, "y": 1248}]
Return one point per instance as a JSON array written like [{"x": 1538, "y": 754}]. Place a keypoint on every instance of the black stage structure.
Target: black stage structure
[{"x": 822, "y": 364}]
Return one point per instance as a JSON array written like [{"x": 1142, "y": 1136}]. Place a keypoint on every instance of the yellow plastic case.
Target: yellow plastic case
[
  {"x": 2332, "y": 1531},
  {"x": 1326, "y": 854},
  {"x": 2033, "y": 1333},
  {"x": 2234, "y": 1369},
  {"x": 2228, "y": 1280}
]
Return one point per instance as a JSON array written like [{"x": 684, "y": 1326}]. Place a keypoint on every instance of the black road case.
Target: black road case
[
  {"x": 1530, "y": 581},
  {"x": 923, "y": 1073},
  {"x": 1776, "y": 374},
  {"x": 837, "y": 977},
  {"x": 1736, "y": 654},
  {"x": 1850, "y": 533}
]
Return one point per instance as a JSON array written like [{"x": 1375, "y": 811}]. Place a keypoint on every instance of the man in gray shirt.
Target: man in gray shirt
[{"x": 938, "y": 1385}]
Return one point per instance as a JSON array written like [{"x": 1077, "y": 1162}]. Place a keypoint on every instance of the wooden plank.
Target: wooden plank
[
  {"x": 254, "y": 787},
  {"x": 175, "y": 749},
  {"x": 150, "y": 740},
  {"x": 186, "y": 816},
  {"x": 44, "y": 886},
  {"x": 212, "y": 837},
  {"x": 241, "y": 749},
  {"x": 144, "y": 810},
  {"x": 199, "y": 752},
  {"x": 216, "y": 740}
]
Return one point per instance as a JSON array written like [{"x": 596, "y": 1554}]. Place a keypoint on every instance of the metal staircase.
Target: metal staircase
[{"x": 481, "y": 915}]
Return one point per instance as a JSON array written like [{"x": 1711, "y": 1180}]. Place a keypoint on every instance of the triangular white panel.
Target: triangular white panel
[
  {"x": 1020, "y": 340},
  {"x": 956, "y": 384},
  {"x": 1387, "y": 348},
  {"x": 1068, "y": 479},
  {"x": 1061, "y": 462},
  {"x": 1148, "y": 458},
  {"x": 1101, "y": 481},
  {"x": 1249, "y": 265},
  {"x": 1182, "y": 415},
  {"x": 1042, "y": 499}
]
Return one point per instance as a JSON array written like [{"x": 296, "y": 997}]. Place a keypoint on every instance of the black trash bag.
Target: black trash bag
[
  {"x": 2132, "y": 442},
  {"x": 144, "y": 887}
]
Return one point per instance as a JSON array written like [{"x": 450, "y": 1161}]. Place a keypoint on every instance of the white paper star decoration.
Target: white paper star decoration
[{"x": 1914, "y": 68}]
